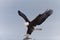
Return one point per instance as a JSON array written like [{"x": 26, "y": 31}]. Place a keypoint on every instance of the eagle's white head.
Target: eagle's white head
[{"x": 26, "y": 23}]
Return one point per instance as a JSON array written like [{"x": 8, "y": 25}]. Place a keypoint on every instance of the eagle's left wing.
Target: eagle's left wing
[{"x": 23, "y": 16}]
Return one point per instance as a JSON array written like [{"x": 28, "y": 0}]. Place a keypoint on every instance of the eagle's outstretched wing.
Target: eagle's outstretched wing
[
  {"x": 23, "y": 15},
  {"x": 41, "y": 18}
]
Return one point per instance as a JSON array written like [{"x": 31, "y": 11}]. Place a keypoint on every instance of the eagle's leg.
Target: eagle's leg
[{"x": 38, "y": 29}]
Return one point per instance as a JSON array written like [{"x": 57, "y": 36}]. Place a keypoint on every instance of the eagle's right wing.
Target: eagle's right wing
[
  {"x": 41, "y": 18},
  {"x": 23, "y": 15}
]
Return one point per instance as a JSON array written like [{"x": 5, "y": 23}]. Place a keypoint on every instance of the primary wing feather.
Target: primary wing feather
[
  {"x": 23, "y": 15},
  {"x": 41, "y": 18}
]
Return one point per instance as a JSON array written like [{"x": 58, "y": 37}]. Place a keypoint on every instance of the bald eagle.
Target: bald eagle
[{"x": 37, "y": 21}]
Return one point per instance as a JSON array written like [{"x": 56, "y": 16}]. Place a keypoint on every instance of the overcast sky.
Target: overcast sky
[{"x": 12, "y": 25}]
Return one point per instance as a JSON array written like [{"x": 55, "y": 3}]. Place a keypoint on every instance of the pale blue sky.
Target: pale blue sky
[{"x": 12, "y": 25}]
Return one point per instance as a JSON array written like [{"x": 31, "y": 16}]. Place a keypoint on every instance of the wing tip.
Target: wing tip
[
  {"x": 50, "y": 10},
  {"x": 18, "y": 11}
]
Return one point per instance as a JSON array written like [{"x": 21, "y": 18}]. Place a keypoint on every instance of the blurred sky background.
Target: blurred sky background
[{"x": 12, "y": 25}]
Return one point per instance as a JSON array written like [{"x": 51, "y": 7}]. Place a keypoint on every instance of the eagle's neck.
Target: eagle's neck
[{"x": 26, "y": 23}]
